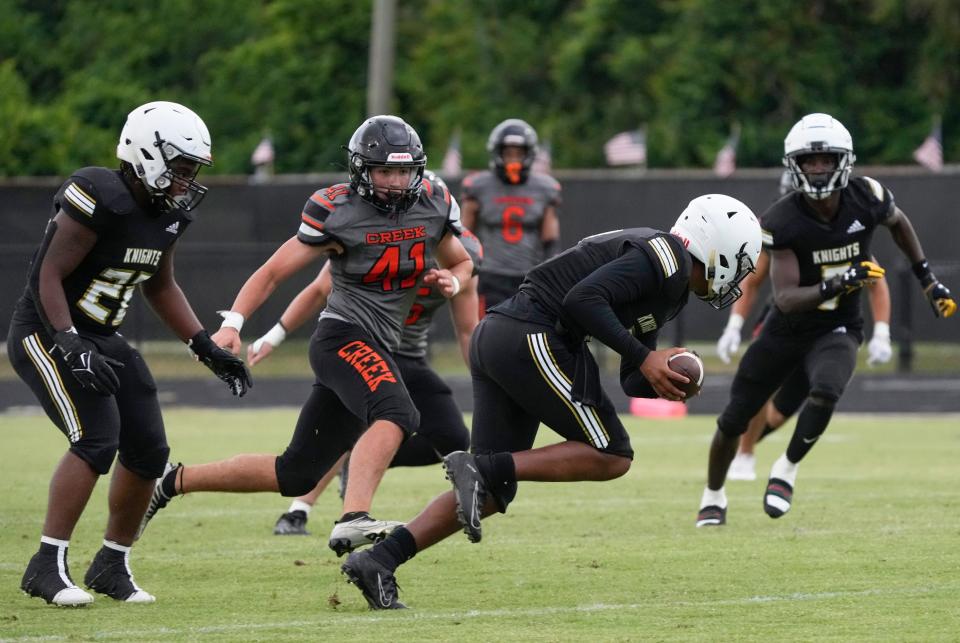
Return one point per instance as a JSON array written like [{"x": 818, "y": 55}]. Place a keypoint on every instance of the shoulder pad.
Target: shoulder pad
[
  {"x": 105, "y": 187},
  {"x": 666, "y": 256},
  {"x": 875, "y": 188}
]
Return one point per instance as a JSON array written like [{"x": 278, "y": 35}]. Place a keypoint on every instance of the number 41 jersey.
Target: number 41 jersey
[
  {"x": 826, "y": 249},
  {"x": 130, "y": 243},
  {"x": 375, "y": 279}
]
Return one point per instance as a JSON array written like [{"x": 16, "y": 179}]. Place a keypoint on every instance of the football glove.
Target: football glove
[
  {"x": 89, "y": 366},
  {"x": 879, "y": 350},
  {"x": 852, "y": 279},
  {"x": 228, "y": 368},
  {"x": 729, "y": 342},
  {"x": 940, "y": 299}
]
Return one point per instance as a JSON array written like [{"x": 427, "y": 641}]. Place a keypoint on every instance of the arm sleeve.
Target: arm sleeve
[
  {"x": 590, "y": 303},
  {"x": 632, "y": 380}
]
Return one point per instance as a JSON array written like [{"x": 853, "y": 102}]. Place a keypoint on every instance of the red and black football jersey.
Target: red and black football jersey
[
  {"x": 826, "y": 249},
  {"x": 130, "y": 243}
]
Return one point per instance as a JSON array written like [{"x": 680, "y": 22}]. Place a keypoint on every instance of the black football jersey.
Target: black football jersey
[
  {"x": 376, "y": 278},
  {"x": 640, "y": 313},
  {"x": 824, "y": 249},
  {"x": 130, "y": 243}
]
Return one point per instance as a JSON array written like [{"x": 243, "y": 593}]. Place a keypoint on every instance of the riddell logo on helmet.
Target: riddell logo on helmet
[{"x": 399, "y": 157}]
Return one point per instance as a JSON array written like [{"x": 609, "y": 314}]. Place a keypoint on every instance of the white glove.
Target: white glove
[
  {"x": 729, "y": 342},
  {"x": 879, "y": 349}
]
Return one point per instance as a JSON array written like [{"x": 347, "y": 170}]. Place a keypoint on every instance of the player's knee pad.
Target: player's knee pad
[
  {"x": 499, "y": 473},
  {"x": 99, "y": 454},
  {"x": 147, "y": 464},
  {"x": 296, "y": 476},
  {"x": 732, "y": 425}
]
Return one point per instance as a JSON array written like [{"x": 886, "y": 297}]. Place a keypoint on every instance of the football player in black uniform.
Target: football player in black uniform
[
  {"x": 383, "y": 232},
  {"x": 110, "y": 232},
  {"x": 531, "y": 364},
  {"x": 819, "y": 240}
]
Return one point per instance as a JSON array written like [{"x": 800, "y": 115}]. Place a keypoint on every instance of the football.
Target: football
[{"x": 690, "y": 365}]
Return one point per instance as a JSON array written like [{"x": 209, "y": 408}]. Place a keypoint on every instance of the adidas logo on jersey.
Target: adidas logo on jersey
[
  {"x": 856, "y": 226},
  {"x": 174, "y": 227}
]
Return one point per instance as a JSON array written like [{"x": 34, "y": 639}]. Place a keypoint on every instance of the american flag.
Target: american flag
[
  {"x": 263, "y": 154},
  {"x": 930, "y": 152},
  {"x": 726, "y": 162},
  {"x": 627, "y": 148},
  {"x": 543, "y": 162},
  {"x": 452, "y": 160}
]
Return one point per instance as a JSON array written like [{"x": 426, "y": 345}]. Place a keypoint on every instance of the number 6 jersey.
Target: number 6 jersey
[
  {"x": 130, "y": 243},
  {"x": 375, "y": 279}
]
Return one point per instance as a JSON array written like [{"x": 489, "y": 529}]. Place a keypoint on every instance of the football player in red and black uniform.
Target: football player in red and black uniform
[
  {"x": 110, "y": 232},
  {"x": 819, "y": 241},
  {"x": 382, "y": 232},
  {"x": 512, "y": 210}
]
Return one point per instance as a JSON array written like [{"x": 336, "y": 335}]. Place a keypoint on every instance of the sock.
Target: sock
[
  {"x": 353, "y": 515},
  {"x": 395, "y": 549},
  {"x": 169, "y": 483},
  {"x": 713, "y": 498},
  {"x": 785, "y": 470},
  {"x": 811, "y": 424},
  {"x": 300, "y": 505}
]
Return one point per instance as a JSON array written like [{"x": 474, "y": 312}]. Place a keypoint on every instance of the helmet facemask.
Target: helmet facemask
[
  {"x": 386, "y": 141},
  {"x": 395, "y": 201},
  {"x": 820, "y": 185},
  {"x": 516, "y": 133},
  {"x": 720, "y": 295},
  {"x": 187, "y": 192},
  {"x": 818, "y": 134}
]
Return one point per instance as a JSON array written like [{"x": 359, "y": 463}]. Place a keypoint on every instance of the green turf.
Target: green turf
[{"x": 869, "y": 553}]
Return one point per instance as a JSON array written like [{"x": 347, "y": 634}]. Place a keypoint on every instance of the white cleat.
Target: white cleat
[{"x": 72, "y": 597}]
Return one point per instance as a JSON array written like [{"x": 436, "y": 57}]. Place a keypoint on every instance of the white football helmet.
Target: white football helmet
[
  {"x": 154, "y": 135},
  {"x": 819, "y": 134},
  {"x": 723, "y": 234}
]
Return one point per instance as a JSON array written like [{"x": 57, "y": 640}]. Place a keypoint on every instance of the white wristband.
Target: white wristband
[
  {"x": 456, "y": 285},
  {"x": 231, "y": 319},
  {"x": 735, "y": 322},
  {"x": 274, "y": 337},
  {"x": 881, "y": 329}
]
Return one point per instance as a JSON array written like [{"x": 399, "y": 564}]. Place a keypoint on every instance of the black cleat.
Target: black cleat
[
  {"x": 110, "y": 574},
  {"x": 292, "y": 523},
  {"x": 374, "y": 580},
  {"x": 778, "y": 497},
  {"x": 48, "y": 577},
  {"x": 470, "y": 491},
  {"x": 158, "y": 500},
  {"x": 712, "y": 516}
]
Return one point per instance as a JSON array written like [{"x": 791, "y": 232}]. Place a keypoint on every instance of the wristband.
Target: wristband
[
  {"x": 881, "y": 329},
  {"x": 231, "y": 319},
  {"x": 735, "y": 323},
  {"x": 274, "y": 337},
  {"x": 921, "y": 269},
  {"x": 456, "y": 285}
]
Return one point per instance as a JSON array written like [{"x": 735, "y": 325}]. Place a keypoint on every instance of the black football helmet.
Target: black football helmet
[
  {"x": 386, "y": 141},
  {"x": 512, "y": 131}
]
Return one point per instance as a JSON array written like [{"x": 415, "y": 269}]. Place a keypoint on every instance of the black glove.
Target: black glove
[
  {"x": 228, "y": 368},
  {"x": 853, "y": 278},
  {"x": 92, "y": 369},
  {"x": 937, "y": 294}
]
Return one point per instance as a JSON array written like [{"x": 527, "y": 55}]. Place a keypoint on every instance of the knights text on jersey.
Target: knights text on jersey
[
  {"x": 130, "y": 244},
  {"x": 826, "y": 249},
  {"x": 376, "y": 278},
  {"x": 550, "y": 282},
  {"x": 509, "y": 220}
]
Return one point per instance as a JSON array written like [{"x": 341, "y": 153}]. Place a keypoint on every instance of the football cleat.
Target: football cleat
[
  {"x": 48, "y": 577},
  {"x": 158, "y": 500},
  {"x": 743, "y": 467},
  {"x": 292, "y": 523},
  {"x": 469, "y": 489},
  {"x": 110, "y": 574},
  {"x": 778, "y": 497},
  {"x": 374, "y": 580},
  {"x": 348, "y": 535},
  {"x": 712, "y": 516}
]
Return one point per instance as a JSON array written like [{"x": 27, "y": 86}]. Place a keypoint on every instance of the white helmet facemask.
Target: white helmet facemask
[
  {"x": 156, "y": 134},
  {"x": 819, "y": 134},
  {"x": 724, "y": 235}
]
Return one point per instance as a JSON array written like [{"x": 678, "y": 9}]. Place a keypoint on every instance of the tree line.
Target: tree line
[{"x": 580, "y": 71}]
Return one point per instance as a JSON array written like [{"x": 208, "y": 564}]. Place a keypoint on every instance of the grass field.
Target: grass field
[{"x": 869, "y": 552}]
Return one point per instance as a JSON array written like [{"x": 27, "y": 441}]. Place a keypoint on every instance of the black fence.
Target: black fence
[{"x": 241, "y": 223}]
